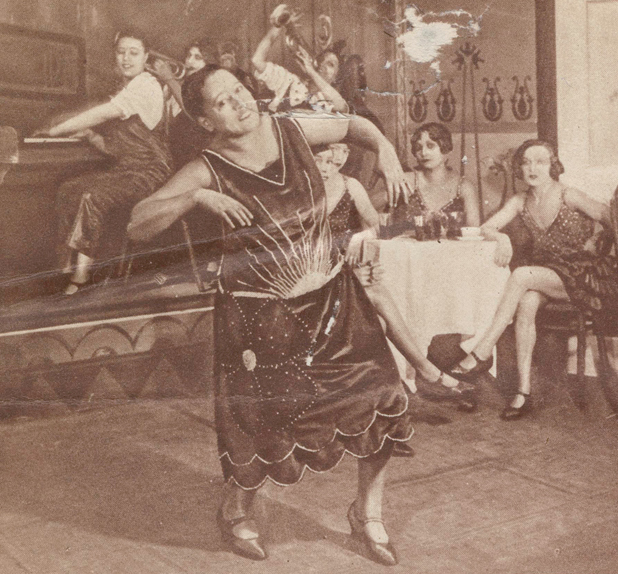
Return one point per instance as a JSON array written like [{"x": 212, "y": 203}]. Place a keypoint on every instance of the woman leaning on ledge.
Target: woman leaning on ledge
[{"x": 93, "y": 209}]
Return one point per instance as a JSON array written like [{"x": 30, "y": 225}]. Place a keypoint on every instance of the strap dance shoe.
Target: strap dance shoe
[
  {"x": 511, "y": 413},
  {"x": 403, "y": 450},
  {"x": 382, "y": 553},
  {"x": 464, "y": 394},
  {"x": 469, "y": 375},
  {"x": 247, "y": 547}
]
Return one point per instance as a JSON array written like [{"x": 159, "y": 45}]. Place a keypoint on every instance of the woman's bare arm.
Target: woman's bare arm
[
  {"x": 362, "y": 132},
  {"x": 368, "y": 213},
  {"x": 260, "y": 56},
  {"x": 156, "y": 213},
  {"x": 188, "y": 188},
  {"x": 577, "y": 199},
  {"x": 471, "y": 204},
  {"x": 491, "y": 229},
  {"x": 88, "y": 119}
]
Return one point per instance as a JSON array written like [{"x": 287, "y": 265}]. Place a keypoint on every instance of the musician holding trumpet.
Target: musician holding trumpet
[
  {"x": 289, "y": 90},
  {"x": 94, "y": 208}
]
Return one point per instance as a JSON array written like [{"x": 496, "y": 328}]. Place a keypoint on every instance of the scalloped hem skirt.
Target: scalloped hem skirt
[{"x": 302, "y": 381}]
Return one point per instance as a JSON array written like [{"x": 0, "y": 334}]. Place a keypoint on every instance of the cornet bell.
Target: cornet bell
[{"x": 177, "y": 68}]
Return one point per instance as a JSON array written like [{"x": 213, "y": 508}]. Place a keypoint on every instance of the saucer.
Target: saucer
[{"x": 471, "y": 238}]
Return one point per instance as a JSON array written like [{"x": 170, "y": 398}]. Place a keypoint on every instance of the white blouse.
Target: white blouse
[{"x": 143, "y": 96}]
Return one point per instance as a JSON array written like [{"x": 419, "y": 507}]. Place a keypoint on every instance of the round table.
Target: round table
[{"x": 440, "y": 287}]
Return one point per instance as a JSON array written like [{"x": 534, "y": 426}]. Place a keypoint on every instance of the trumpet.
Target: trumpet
[
  {"x": 177, "y": 68},
  {"x": 283, "y": 17}
]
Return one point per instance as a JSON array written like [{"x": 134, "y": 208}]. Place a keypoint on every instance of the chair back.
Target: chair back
[{"x": 613, "y": 207}]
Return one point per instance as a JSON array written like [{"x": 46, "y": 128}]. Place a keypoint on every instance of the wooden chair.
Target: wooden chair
[{"x": 566, "y": 318}]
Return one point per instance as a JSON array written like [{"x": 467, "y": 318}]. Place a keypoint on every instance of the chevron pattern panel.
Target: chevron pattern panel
[{"x": 76, "y": 366}]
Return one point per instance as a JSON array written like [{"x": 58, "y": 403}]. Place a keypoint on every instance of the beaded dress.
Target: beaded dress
[
  {"x": 304, "y": 373},
  {"x": 590, "y": 280}
]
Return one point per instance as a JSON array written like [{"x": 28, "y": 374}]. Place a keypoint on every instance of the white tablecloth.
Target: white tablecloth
[{"x": 441, "y": 287}]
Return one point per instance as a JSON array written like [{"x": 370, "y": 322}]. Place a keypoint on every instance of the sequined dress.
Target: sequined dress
[
  {"x": 344, "y": 219},
  {"x": 590, "y": 280},
  {"x": 304, "y": 373}
]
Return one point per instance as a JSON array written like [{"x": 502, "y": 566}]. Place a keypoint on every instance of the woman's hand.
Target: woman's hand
[
  {"x": 396, "y": 181},
  {"x": 354, "y": 249},
  {"x": 40, "y": 133},
  {"x": 369, "y": 273},
  {"x": 227, "y": 208},
  {"x": 305, "y": 61},
  {"x": 504, "y": 250}
]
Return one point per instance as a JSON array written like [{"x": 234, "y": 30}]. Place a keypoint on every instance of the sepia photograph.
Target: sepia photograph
[{"x": 318, "y": 286}]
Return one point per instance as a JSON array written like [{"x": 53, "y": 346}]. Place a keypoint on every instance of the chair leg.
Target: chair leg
[
  {"x": 607, "y": 376},
  {"x": 581, "y": 366}
]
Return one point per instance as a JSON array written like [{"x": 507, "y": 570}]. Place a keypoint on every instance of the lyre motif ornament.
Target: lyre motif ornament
[
  {"x": 492, "y": 101},
  {"x": 446, "y": 104},
  {"x": 417, "y": 104},
  {"x": 468, "y": 51},
  {"x": 521, "y": 101}
]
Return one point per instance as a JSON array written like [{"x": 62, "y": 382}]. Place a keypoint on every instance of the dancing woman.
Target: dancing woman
[
  {"x": 304, "y": 373},
  {"x": 561, "y": 223}
]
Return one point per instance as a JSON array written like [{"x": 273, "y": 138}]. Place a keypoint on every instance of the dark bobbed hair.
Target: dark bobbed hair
[
  {"x": 319, "y": 148},
  {"x": 202, "y": 44},
  {"x": 132, "y": 32},
  {"x": 192, "y": 96},
  {"x": 336, "y": 49},
  {"x": 556, "y": 169},
  {"x": 436, "y": 132}
]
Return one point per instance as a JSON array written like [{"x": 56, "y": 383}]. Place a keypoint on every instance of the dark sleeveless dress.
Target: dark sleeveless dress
[
  {"x": 94, "y": 208},
  {"x": 344, "y": 219},
  {"x": 590, "y": 280},
  {"x": 304, "y": 373}
]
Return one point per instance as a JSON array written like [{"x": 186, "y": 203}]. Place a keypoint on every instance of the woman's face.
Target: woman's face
[
  {"x": 326, "y": 165},
  {"x": 229, "y": 107},
  {"x": 427, "y": 152},
  {"x": 131, "y": 57},
  {"x": 536, "y": 166},
  {"x": 194, "y": 60},
  {"x": 227, "y": 60},
  {"x": 329, "y": 67}
]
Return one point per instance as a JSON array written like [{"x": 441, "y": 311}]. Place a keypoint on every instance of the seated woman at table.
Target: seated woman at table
[
  {"x": 133, "y": 124},
  {"x": 561, "y": 222},
  {"x": 350, "y": 210},
  {"x": 437, "y": 190}
]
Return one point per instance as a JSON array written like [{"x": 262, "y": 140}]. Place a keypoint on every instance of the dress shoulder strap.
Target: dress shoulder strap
[{"x": 459, "y": 186}]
